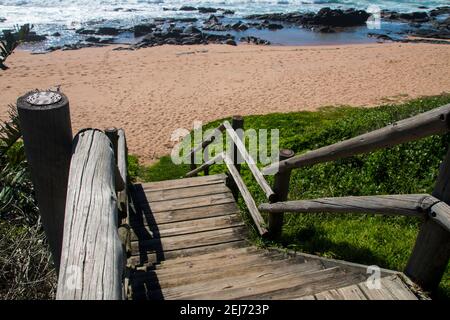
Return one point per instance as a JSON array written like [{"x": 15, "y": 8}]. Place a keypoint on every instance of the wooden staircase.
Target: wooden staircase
[{"x": 189, "y": 242}]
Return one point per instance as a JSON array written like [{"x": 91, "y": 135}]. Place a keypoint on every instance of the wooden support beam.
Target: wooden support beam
[
  {"x": 435, "y": 121},
  {"x": 122, "y": 165},
  {"x": 413, "y": 205},
  {"x": 47, "y": 135},
  {"x": 237, "y": 126},
  {"x": 112, "y": 134},
  {"x": 204, "y": 166},
  {"x": 92, "y": 256},
  {"x": 270, "y": 194},
  {"x": 281, "y": 190},
  {"x": 246, "y": 195},
  {"x": 431, "y": 252}
]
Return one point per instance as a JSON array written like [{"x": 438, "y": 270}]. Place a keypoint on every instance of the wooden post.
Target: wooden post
[
  {"x": 113, "y": 136},
  {"x": 47, "y": 134},
  {"x": 206, "y": 159},
  {"x": 431, "y": 252},
  {"x": 237, "y": 123},
  {"x": 281, "y": 189},
  {"x": 193, "y": 165}
]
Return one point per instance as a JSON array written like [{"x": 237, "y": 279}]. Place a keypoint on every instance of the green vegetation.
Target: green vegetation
[
  {"x": 26, "y": 270},
  {"x": 407, "y": 168},
  {"x": 10, "y": 41}
]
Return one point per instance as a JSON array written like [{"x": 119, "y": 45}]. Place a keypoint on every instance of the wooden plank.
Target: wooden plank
[
  {"x": 92, "y": 256},
  {"x": 182, "y": 183},
  {"x": 329, "y": 295},
  {"x": 205, "y": 166},
  {"x": 214, "y": 271},
  {"x": 143, "y": 216},
  {"x": 431, "y": 252},
  {"x": 250, "y": 162},
  {"x": 407, "y": 205},
  {"x": 185, "y": 227},
  {"x": 440, "y": 213},
  {"x": 148, "y": 259},
  {"x": 291, "y": 281},
  {"x": 192, "y": 202},
  {"x": 352, "y": 292},
  {"x": 171, "y": 194},
  {"x": 190, "y": 240},
  {"x": 374, "y": 293},
  {"x": 423, "y": 125},
  {"x": 398, "y": 288},
  {"x": 233, "y": 287},
  {"x": 122, "y": 164},
  {"x": 251, "y": 205},
  {"x": 311, "y": 297}
]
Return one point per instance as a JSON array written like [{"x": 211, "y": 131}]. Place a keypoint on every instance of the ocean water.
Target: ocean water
[{"x": 64, "y": 16}]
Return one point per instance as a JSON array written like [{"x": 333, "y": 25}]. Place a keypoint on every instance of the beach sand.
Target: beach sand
[{"x": 151, "y": 92}]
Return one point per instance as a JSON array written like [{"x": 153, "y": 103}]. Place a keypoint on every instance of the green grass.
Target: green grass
[{"x": 407, "y": 168}]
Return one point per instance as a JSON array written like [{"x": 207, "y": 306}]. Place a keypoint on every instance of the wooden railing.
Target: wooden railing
[
  {"x": 431, "y": 252},
  {"x": 81, "y": 188}
]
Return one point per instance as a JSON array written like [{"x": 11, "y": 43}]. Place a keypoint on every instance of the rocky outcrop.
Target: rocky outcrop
[{"x": 255, "y": 40}]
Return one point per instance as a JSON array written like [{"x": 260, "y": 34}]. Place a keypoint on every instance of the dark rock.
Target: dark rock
[
  {"x": 188, "y": 8},
  {"x": 255, "y": 40},
  {"x": 107, "y": 31},
  {"x": 143, "y": 29},
  {"x": 85, "y": 31},
  {"x": 440, "y": 11},
  {"x": 325, "y": 17},
  {"x": 325, "y": 29},
  {"x": 192, "y": 29},
  {"x": 212, "y": 20},
  {"x": 228, "y": 12},
  {"x": 383, "y": 37},
  {"x": 415, "y": 17},
  {"x": 231, "y": 42},
  {"x": 92, "y": 39},
  {"x": 56, "y": 34},
  {"x": 185, "y": 20},
  {"x": 274, "y": 26},
  {"x": 2, "y": 19},
  {"x": 33, "y": 37},
  {"x": 207, "y": 10}
]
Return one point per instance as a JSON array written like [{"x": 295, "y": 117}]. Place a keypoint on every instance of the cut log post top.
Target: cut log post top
[
  {"x": 92, "y": 256},
  {"x": 435, "y": 121},
  {"x": 47, "y": 135}
]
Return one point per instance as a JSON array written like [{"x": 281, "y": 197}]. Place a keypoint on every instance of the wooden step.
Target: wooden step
[
  {"x": 182, "y": 183},
  {"x": 149, "y": 259},
  {"x": 185, "y": 227},
  {"x": 145, "y": 217},
  {"x": 191, "y": 240},
  {"x": 186, "y": 192},
  {"x": 392, "y": 288},
  {"x": 214, "y": 271},
  {"x": 305, "y": 277}
]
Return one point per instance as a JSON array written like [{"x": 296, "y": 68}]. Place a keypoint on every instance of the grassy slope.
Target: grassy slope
[{"x": 368, "y": 239}]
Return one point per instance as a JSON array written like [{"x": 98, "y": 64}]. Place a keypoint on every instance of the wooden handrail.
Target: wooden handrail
[
  {"x": 435, "y": 121},
  {"x": 415, "y": 205},
  {"x": 203, "y": 167},
  {"x": 92, "y": 256},
  {"x": 206, "y": 141},
  {"x": 250, "y": 162},
  {"x": 122, "y": 164},
  {"x": 246, "y": 195}
]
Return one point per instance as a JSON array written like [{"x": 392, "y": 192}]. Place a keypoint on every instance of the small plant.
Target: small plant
[{"x": 10, "y": 42}]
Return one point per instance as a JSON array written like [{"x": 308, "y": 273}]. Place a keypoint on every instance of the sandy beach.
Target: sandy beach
[{"x": 151, "y": 92}]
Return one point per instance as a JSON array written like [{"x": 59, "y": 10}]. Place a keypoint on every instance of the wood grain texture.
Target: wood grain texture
[
  {"x": 92, "y": 256},
  {"x": 122, "y": 164},
  {"x": 414, "y": 205},
  {"x": 251, "y": 163},
  {"x": 435, "y": 121},
  {"x": 250, "y": 203}
]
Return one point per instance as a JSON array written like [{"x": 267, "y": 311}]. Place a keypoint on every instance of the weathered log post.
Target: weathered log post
[
  {"x": 431, "y": 252},
  {"x": 92, "y": 256},
  {"x": 113, "y": 135},
  {"x": 281, "y": 189},
  {"x": 47, "y": 134},
  {"x": 237, "y": 123}
]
